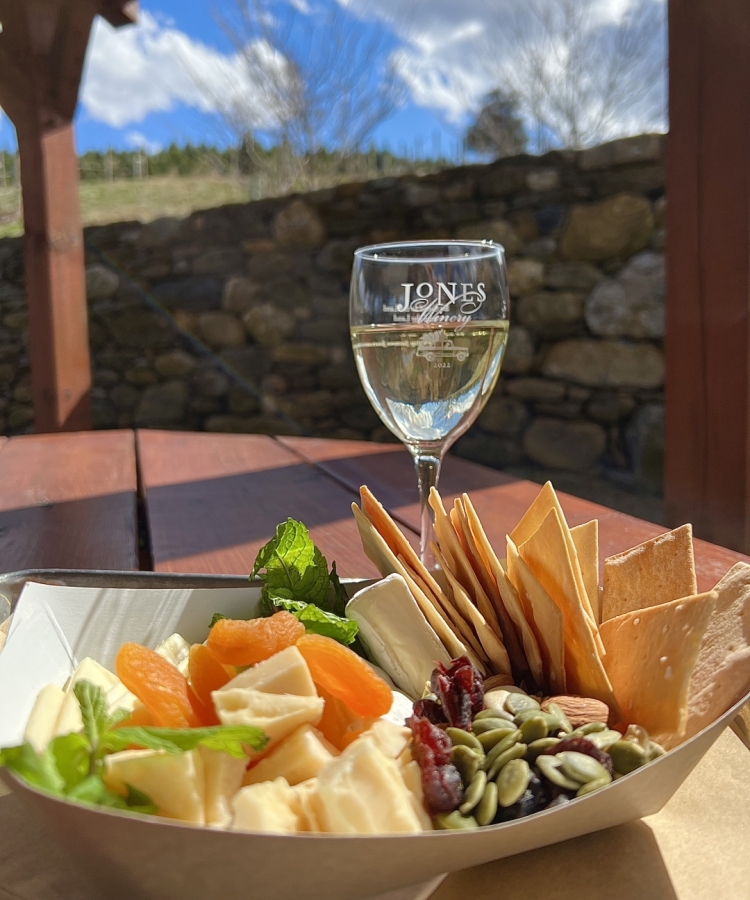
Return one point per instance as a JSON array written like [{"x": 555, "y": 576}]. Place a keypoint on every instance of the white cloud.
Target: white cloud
[
  {"x": 154, "y": 67},
  {"x": 139, "y": 140}
]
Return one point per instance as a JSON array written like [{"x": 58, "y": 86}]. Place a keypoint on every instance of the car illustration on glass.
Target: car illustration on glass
[{"x": 434, "y": 346}]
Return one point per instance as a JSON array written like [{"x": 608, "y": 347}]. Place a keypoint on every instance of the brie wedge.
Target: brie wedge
[{"x": 397, "y": 634}]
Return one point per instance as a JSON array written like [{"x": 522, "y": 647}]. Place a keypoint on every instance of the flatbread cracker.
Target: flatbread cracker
[
  {"x": 651, "y": 654},
  {"x": 386, "y": 563},
  {"x": 470, "y": 526},
  {"x": 492, "y": 645},
  {"x": 722, "y": 672},
  {"x": 656, "y": 571},
  {"x": 546, "y": 620},
  {"x": 547, "y": 554},
  {"x": 586, "y": 539}
]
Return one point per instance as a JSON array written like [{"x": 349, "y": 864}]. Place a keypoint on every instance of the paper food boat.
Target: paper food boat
[{"x": 147, "y": 857}]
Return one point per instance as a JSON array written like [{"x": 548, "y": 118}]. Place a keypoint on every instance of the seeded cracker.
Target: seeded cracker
[
  {"x": 586, "y": 539},
  {"x": 657, "y": 571},
  {"x": 547, "y": 555},
  {"x": 722, "y": 672},
  {"x": 651, "y": 654}
]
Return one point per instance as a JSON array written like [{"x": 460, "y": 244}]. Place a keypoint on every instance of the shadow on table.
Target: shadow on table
[{"x": 622, "y": 863}]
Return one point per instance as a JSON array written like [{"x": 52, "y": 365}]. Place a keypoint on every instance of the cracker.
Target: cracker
[
  {"x": 387, "y": 563},
  {"x": 586, "y": 540},
  {"x": 547, "y": 554},
  {"x": 492, "y": 645},
  {"x": 722, "y": 672},
  {"x": 469, "y": 527},
  {"x": 654, "y": 572},
  {"x": 651, "y": 654},
  {"x": 546, "y": 620}
]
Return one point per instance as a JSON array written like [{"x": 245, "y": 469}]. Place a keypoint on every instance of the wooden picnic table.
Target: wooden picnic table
[{"x": 205, "y": 503}]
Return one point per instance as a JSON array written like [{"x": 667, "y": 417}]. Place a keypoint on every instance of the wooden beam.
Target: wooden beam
[
  {"x": 55, "y": 280},
  {"x": 707, "y": 395},
  {"x": 118, "y": 13}
]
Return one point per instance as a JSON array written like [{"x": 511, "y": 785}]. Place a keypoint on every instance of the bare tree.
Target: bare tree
[
  {"x": 498, "y": 128},
  {"x": 323, "y": 82},
  {"x": 581, "y": 78}
]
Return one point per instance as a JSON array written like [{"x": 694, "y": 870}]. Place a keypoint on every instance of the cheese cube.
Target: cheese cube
[
  {"x": 266, "y": 807},
  {"x": 277, "y": 714},
  {"x": 305, "y": 806},
  {"x": 362, "y": 792},
  {"x": 285, "y": 672},
  {"x": 40, "y": 729},
  {"x": 174, "y": 781},
  {"x": 176, "y": 650},
  {"x": 223, "y": 778},
  {"x": 412, "y": 778},
  {"x": 69, "y": 719},
  {"x": 391, "y": 739},
  {"x": 300, "y": 757}
]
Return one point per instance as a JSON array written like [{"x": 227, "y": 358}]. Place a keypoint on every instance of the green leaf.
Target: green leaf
[
  {"x": 340, "y": 597},
  {"x": 138, "y": 801},
  {"x": 225, "y": 738},
  {"x": 93, "y": 790},
  {"x": 216, "y": 617},
  {"x": 291, "y": 563},
  {"x": 93, "y": 705},
  {"x": 39, "y": 769},
  {"x": 72, "y": 754},
  {"x": 318, "y": 621}
]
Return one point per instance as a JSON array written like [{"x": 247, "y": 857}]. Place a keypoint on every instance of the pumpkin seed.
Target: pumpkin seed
[
  {"x": 534, "y": 729},
  {"x": 496, "y": 700},
  {"x": 467, "y": 761},
  {"x": 591, "y": 728},
  {"x": 474, "y": 793},
  {"x": 580, "y": 767},
  {"x": 537, "y": 747},
  {"x": 655, "y": 750},
  {"x": 594, "y": 785},
  {"x": 459, "y": 736},
  {"x": 489, "y": 739},
  {"x": 562, "y": 722},
  {"x": 627, "y": 756},
  {"x": 512, "y": 782},
  {"x": 604, "y": 739},
  {"x": 515, "y": 703},
  {"x": 501, "y": 746},
  {"x": 637, "y": 735},
  {"x": 479, "y": 727},
  {"x": 550, "y": 767},
  {"x": 487, "y": 809},
  {"x": 515, "y": 752},
  {"x": 494, "y": 714},
  {"x": 453, "y": 821}
]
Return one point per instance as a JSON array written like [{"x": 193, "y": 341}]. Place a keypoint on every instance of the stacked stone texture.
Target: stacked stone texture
[{"x": 263, "y": 287}]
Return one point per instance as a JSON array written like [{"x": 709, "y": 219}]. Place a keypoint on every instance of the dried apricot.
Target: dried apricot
[
  {"x": 139, "y": 716},
  {"x": 345, "y": 675},
  {"x": 206, "y": 673},
  {"x": 339, "y": 724},
  {"x": 159, "y": 685},
  {"x": 238, "y": 642}
]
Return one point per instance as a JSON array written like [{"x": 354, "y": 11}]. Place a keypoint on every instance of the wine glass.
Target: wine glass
[{"x": 429, "y": 325}]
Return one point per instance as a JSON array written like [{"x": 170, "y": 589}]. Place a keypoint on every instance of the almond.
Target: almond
[{"x": 580, "y": 710}]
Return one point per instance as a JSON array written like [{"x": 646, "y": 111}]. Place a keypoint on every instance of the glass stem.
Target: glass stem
[{"x": 428, "y": 473}]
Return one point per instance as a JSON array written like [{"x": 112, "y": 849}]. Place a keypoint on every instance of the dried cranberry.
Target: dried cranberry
[
  {"x": 532, "y": 800},
  {"x": 430, "y": 744},
  {"x": 460, "y": 691},
  {"x": 442, "y": 787},
  {"x": 581, "y": 745},
  {"x": 431, "y": 710}
]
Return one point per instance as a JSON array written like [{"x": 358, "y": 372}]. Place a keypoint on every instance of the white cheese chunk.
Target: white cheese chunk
[
  {"x": 298, "y": 758},
  {"x": 396, "y": 633},
  {"x": 69, "y": 719},
  {"x": 391, "y": 739},
  {"x": 176, "y": 650},
  {"x": 285, "y": 672},
  {"x": 305, "y": 806},
  {"x": 362, "y": 792},
  {"x": 40, "y": 729},
  {"x": 223, "y": 778},
  {"x": 174, "y": 781},
  {"x": 278, "y": 715},
  {"x": 412, "y": 778},
  {"x": 269, "y": 807}
]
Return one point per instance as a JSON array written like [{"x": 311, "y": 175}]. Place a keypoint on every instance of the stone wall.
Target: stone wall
[{"x": 235, "y": 318}]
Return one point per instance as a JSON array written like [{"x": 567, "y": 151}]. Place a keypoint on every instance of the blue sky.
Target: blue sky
[{"x": 156, "y": 82}]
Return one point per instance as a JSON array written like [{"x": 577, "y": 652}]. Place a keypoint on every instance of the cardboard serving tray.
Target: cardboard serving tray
[{"x": 134, "y": 856}]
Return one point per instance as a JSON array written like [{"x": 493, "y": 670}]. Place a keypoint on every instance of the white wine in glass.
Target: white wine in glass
[{"x": 429, "y": 325}]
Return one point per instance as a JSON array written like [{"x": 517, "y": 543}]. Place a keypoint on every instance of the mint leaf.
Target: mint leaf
[
  {"x": 72, "y": 754},
  {"x": 93, "y": 790},
  {"x": 318, "y": 621},
  {"x": 225, "y": 738},
  {"x": 340, "y": 597},
  {"x": 138, "y": 801},
  {"x": 93, "y": 705},
  {"x": 290, "y": 565},
  {"x": 39, "y": 769},
  {"x": 216, "y": 617}
]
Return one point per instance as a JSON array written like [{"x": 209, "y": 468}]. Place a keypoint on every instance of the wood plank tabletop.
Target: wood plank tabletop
[
  {"x": 68, "y": 501},
  {"x": 500, "y": 499},
  {"x": 213, "y": 500}
]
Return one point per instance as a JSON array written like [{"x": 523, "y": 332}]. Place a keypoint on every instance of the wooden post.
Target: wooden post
[{"x": 707, "y": 396}]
